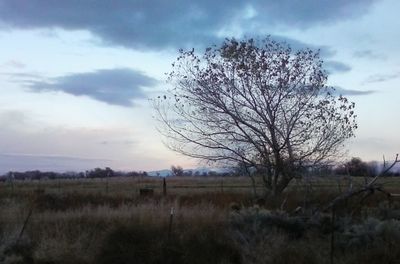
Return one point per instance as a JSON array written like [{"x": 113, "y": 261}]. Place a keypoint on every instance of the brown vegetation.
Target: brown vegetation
[{"x": 80, "y": 221}]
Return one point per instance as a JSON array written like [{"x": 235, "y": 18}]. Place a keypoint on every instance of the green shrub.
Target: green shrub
[
  {"x": 372, "y": 241},
  {"x": 256, "y": 220}
]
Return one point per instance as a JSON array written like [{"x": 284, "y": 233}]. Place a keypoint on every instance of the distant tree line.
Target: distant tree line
[
  {"x": 357, "y": 167},
  {"x": 354, "y": 167},
  {"x": 94, "y": 173},
  {"x": 178, "y": 171}
]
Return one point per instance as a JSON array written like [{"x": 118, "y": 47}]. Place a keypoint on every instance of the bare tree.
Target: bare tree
[
  {"x": 258, "y": 103},
  {"x": 177, "y": 170}
]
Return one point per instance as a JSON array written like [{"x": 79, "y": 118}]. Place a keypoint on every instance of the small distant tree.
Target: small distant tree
[
  {"x": 188, "y": 173},
  {"x": 258, "y": 103},
  {"x": 177, "y": 170},
  {"x": 357, "y": 167},
  {"x": 100, "y": 173}
]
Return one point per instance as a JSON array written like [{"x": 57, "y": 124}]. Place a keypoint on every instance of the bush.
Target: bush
[
  {"x": 18, "y": 252},
  {"x": 131, "y": 244},
  {"x": 256, "y": 220},
  {"x": 298, "y": 252},
  {"x": 209, "y": 245},
  {"x": 151, "y": 245},
  {"x": 372, "y": 241}
]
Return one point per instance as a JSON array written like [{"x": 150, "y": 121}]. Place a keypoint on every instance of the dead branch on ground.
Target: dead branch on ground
[{"x": 368, "y": 189}]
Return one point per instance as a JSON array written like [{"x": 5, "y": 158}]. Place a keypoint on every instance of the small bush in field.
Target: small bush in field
[
  {"x": 297, "y": 252},
  {"x": 387, "y": 210},
  {"x": 209, "y": 244},
  {"x": 373, "y": 231},
  {"x": 256, "y": 220},
  {"x": 151, "y": 245},
  {"x": 373, "y": 241},
  {"x": 18, "y": 252},
  {"x": 132, "y": 244}
]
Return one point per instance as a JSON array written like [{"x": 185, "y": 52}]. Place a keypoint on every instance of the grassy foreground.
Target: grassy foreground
[{"x": 214, "y": 220}]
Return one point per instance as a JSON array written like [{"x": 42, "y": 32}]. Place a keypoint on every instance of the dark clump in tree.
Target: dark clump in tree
[{"x": 258, "y": 103}]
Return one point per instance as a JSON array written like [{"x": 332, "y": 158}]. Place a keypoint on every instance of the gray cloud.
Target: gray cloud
[
  {"x": 126, "y": 142},
  {"x": 24, "y": 78},
  {"x": 156, "y": 24},
  {"x": 14, "y": 64},
  {"x": 336, "y": 67},
  {"x": 369, "y": 54},
  {"x": 377, "y": 78},
  {"x": 113, "y": 86},
  {"x": 26, "y": 143},
  {"x": 24, "y": 162},
  {"x": 342, "y": 91}
]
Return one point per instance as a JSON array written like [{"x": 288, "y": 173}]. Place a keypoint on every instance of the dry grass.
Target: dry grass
[{"x": 106, "y": 221}]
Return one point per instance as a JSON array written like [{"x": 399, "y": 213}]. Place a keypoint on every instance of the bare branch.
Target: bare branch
[{"x": 369, "y": 188}]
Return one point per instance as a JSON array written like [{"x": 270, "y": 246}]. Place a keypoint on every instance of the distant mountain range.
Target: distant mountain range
[{"x": 199, "y": 171}]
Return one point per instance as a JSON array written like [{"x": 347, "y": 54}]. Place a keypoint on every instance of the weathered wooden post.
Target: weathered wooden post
[
  {"x": 25, "y": 224},
  {"x": 164, "y": 187}
]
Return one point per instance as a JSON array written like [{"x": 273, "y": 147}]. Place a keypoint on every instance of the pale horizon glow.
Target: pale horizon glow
[{"x": 75, "y": 87}]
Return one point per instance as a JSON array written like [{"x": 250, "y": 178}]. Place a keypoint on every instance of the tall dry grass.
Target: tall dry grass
[{"x": 81, "y": 222}]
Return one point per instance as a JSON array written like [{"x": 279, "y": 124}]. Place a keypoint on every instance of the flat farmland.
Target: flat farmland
[
  {"x": 130, "y": 186},
  {"x": 107, "y": 220}
]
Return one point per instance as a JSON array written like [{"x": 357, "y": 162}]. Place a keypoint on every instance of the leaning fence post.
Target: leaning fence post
[
  {"x": 28, "y": 217},
  {"x": 24, "y": 225}
]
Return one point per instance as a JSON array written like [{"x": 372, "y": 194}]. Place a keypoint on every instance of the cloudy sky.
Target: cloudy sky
[{"x": 76, "y": 76}]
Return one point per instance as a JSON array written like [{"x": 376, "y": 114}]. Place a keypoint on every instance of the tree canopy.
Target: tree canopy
[{"x": 257, "y": 103}]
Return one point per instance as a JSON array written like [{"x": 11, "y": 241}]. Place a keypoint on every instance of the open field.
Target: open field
[
  {"x": 108, "y": 221},
  {"x": 130, "y": 186}
]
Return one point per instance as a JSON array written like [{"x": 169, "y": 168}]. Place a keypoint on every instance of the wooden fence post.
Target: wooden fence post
[{"x": 164, "y": 187}]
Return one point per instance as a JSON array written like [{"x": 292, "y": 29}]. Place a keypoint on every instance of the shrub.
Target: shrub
[
  {"x": 372, "y": 241},
  {"x": 18, "y": 252},
  {"x": 151, "y": 245},
  {"x": 297, "y": 252},
  {"x": 209, "y": 244},
  {"x": 135, "y": 244},
  {"x": 255, "y": 219}
]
